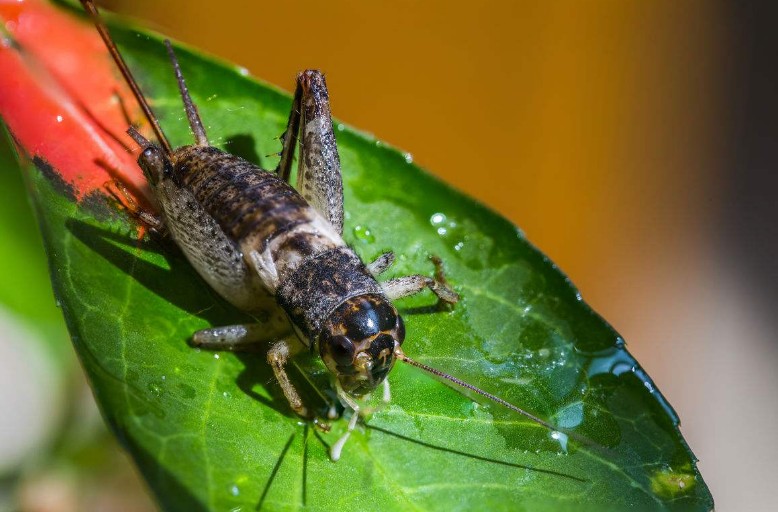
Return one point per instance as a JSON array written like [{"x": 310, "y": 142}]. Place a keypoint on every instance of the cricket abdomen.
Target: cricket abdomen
[
  {"x": 271, "y": 222},
  {"x": 215, "y": 256},
  {"x": 244, "y": 199}
]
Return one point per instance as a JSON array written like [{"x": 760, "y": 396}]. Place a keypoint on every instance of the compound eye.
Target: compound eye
[
  {"x": 342, "y": 350},
  {"x": 400, "y": 330}
]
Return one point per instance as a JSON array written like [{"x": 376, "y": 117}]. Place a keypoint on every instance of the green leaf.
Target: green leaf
[{"x": 213, "y": 431}]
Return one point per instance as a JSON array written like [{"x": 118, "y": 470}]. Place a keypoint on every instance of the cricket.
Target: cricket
[{"x": 277, "y": 251}]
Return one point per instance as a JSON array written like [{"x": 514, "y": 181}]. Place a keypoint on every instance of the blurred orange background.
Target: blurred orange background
[{"x": 616, "y": 134}]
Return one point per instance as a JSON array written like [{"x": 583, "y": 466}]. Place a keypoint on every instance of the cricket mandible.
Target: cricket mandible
[{"x": 270, "y": 248}]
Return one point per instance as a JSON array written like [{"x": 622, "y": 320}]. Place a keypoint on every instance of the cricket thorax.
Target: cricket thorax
[{"x": 322, "y": 283}]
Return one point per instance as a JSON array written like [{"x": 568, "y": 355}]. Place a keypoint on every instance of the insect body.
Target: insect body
[
  {"x": 269, "y": 242},
  {"x": 266, "y": 247}
]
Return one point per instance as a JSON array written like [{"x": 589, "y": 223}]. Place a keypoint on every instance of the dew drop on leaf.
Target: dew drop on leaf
[
  {"x": 364, "y": 234},
  {"x": 155, "y": 389},
  {"x": 669, "y": 483}
]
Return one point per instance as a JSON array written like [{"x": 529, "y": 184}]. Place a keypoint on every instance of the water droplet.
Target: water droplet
[
  {"x": 669, "y": 483},
  {"x": 641, "y": 374},
  {"x": 578, "y": 296},
  {"x": 378, "y": 143},
  {"x": 216, "y": 356},
  {"x": 544, "y": 352},
  {"x": 408, "y": 158},
  {"x": 227, "y": 394},
  {"x": 437, "y": 219},
  {"x": 446, "y": 227},
  {"x": 187, "y": 391},
  {"x": 459, "y": 245},
  {"x": 211, "y": 98},
  {"x": 561, "y": 438},
  {"x": 570, "y": 416},
  {"x": 341, "y": 127},
  {"x": 155, "y": 389},
  {"x": 163, "y": 377},
  {"x": 617, "y": 361},
  {"x": 234, "y": 490},
  {"x": 364, "y": 234},
  {"x": 243, "y": 71},
  {"x": 612, "y": 361},
  {"x": 59, "y": 119}
]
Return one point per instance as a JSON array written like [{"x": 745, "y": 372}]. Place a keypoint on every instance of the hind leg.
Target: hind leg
[{"x": 318, "y": 176}]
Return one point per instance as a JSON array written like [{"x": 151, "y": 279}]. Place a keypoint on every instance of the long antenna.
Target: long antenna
[
  {"x": 195, "y": 123},
  {"x": 402, "y": 357},
  {"x": 556, "y": 432},
  {"x": 89, "y": 6}
]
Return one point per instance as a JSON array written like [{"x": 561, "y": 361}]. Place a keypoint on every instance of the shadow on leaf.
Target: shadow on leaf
[
  {"x": 474, "y": 456},
  {"x": 178, "y": 285}
]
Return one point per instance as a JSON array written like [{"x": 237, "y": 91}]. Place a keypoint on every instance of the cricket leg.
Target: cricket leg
[
  {"x": 239, "y": 337},
  {"x": 251, "y": 337},
  {"x": 127, "y": 200},
  {"x": 379, "y": 265},
  {"x": 319, "y": 179},
  {"x": 337, "y": 448},
  {"x": 289, "y": 138},
  {"x": 278, "y": 356},
  {"x": 411, "y": 285},
  {"x": 387, "y": 396}
]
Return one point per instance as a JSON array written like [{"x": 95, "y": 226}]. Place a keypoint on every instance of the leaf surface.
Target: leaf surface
[{"x": 212, "y": 431}]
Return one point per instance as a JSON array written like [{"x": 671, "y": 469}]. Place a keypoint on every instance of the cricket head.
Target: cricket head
[
  {"x": 153, "y": 161},
  {"x": 358, "y": 342}
]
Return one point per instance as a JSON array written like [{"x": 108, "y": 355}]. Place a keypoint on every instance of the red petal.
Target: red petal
[{"x": 59, "y": 97}]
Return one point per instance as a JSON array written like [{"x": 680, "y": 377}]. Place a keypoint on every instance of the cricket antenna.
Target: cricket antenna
[
  {"x": 195, "y": 123},
  {"x": 142, "y": 141},
  {"x": 90, "y": 7},
  {"x": 399, "y": 354}
]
